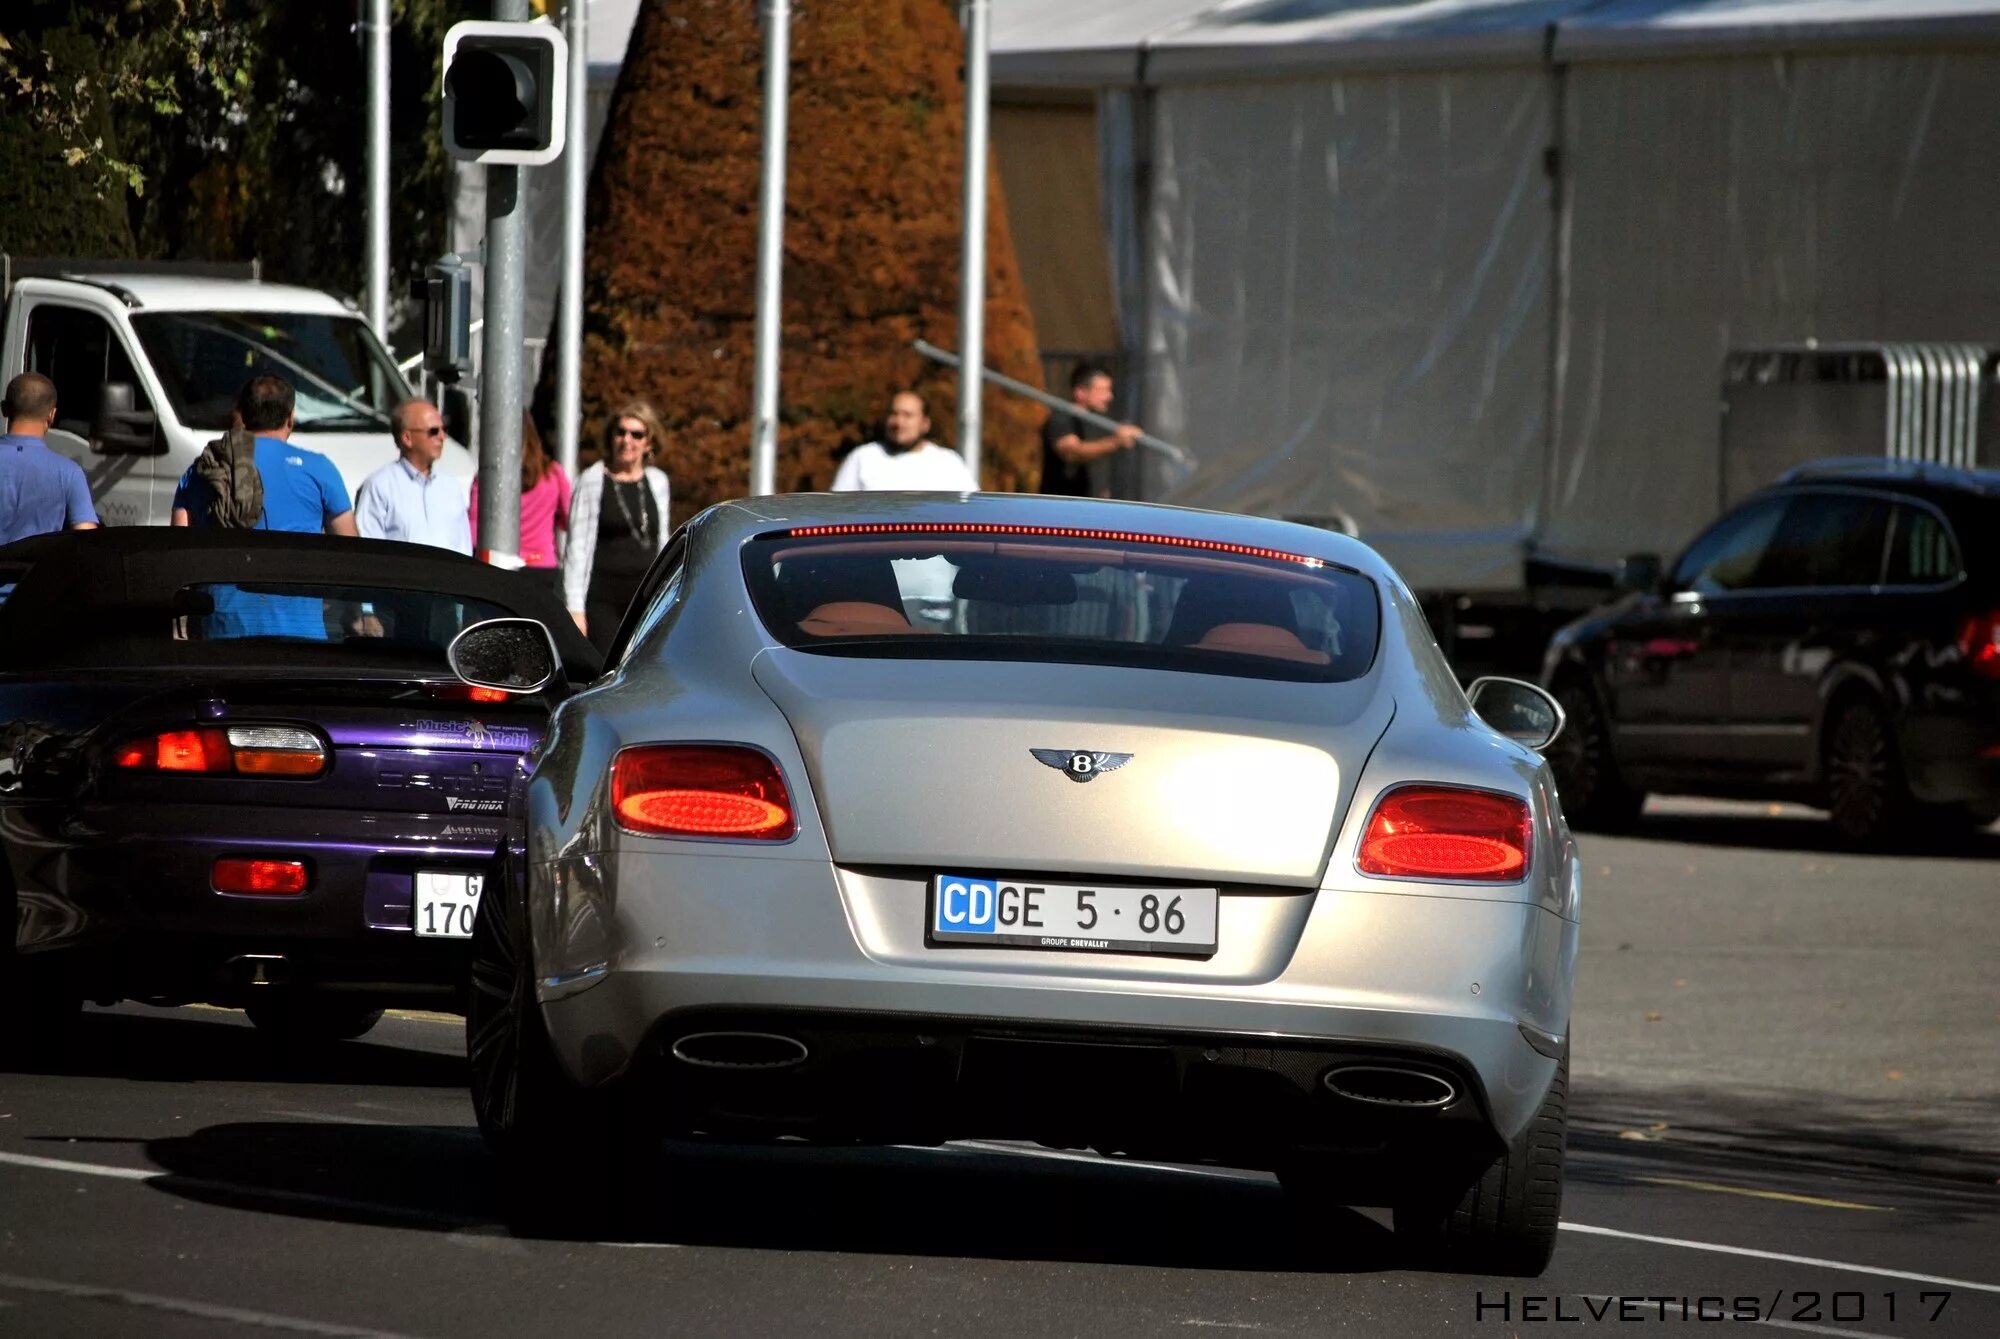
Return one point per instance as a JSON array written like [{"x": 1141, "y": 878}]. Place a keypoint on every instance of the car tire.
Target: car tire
[
  {"x": 570, "y": 1157},
  {"x": 1593, "y": 793},
  {"x": 1867, "y": 792},
  {"x": 309, "y": 1020},
  {"x": 1505, "y": 1222},
  {"x": 40, "y": 1006}
]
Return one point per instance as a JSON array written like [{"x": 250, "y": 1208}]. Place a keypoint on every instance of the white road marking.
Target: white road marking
[
  {"x": 1781, "y": 1256},
  {"x": 185, "y": 1307},
  {"x": 86, "y": 1168},
  {"x": 332, "y": 1117}
]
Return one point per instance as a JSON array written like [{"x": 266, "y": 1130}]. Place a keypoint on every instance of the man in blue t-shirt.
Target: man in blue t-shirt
[
  {"x": 303, "y": 493},
  {"x": 40, "y": 490}
]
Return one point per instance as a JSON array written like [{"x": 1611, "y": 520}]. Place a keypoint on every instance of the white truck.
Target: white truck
[{"x": 147, "y": 360}]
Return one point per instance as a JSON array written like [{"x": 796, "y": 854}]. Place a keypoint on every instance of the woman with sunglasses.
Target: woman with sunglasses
[{"x": 618, "y": 520}]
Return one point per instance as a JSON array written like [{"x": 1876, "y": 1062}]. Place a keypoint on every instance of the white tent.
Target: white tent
[{"x": 1467, "y": 270}]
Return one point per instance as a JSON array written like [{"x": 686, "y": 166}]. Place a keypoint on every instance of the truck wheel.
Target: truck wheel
[
  {"x": 1594, "y": 795},
  {"x": 574, "y": 1162},
  {"x": 303, "y": 1019},
  {"x": 1866, "y": 791},
  {"x": 1505, "y": 1222}
]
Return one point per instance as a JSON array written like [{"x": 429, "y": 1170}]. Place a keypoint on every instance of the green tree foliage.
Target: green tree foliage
[
  {"x": 871, "y": 240},
  {"x": 216, "y": 129}
]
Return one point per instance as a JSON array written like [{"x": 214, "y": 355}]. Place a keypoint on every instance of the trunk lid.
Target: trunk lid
[{"x": 928, "y": 763}]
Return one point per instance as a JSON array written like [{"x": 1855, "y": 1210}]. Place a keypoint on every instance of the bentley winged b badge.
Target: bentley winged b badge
[{"x": 1080, "y": 764}]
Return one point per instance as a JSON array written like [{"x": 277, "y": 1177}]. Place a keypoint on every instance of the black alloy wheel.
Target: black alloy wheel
[
  {"x": 574, "y": 1162},
  {"x": 1865, "y": 787},
  {"x": 1593, "y": 793},
  {"x": 1505, "y": 1222}
]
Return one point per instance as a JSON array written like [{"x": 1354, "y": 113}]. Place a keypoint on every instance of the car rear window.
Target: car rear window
[
  {"x": 377, "y": 618},
  {"x": 965, "y": 591}
]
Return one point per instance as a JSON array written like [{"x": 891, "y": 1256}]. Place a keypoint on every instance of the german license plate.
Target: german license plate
[
  {"x": 1100, "y": 918},
  {"x": 446, "y": 904}
]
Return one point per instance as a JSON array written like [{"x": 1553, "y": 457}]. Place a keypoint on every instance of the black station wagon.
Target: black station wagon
[{"x": 1834, "y": 639}]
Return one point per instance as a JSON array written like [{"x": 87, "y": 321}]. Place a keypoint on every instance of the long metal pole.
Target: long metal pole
[
  {"x": 500, "y": 353},
  {"x": 377, "y": 30},
  {"x": 576, "y": 153},
  {"x": 972, "y": 252},
  {"x": 770, "y": 248}
]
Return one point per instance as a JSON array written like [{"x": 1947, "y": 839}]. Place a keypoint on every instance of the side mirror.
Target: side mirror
[
  {"x": 1518, "y": 710},
  {"x": 514, "y": 655},
  {"x": 1640, "y": 572},
  {"x": 122, "y": 428}
]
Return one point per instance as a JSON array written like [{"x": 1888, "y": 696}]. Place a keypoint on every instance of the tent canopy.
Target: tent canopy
[{"x": 1058, "y": 43}]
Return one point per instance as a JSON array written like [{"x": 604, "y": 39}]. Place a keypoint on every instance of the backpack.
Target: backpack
[{"x": 228, "y": 465}]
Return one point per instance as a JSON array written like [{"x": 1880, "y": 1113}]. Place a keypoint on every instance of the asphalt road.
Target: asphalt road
[{"x": 1786, "y": 1092}]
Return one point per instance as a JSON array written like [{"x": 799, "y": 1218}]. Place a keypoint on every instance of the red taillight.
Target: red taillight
[
  {"x": 177, "y": 751},
  {"x": 701, "y": 790},
  {"x": 1979, "y": 641},
  {"x": 274, "y": 877},
  {"x": 1445, "y": 832},
  {"x": 249, "y": 750}
]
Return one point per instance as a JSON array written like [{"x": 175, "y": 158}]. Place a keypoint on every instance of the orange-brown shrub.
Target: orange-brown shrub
[{"x": 871, "y": 241}]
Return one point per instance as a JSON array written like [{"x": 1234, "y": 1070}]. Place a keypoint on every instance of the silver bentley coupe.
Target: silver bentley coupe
[{"x": 906, "y": 818}]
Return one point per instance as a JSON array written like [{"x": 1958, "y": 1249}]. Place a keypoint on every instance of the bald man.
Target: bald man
[
  {"x": 905, "y": 459},
  {"x": 410, "y": 498},
  {"x": 40, "y": 490}
]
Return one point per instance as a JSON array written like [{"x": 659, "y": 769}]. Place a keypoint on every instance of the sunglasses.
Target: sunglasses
[
  {"x": 636, "y": 434},
  {"x": 426, "y": 432}
]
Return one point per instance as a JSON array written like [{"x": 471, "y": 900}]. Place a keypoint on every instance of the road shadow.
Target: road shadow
[
  {"x": 180, "y": 1047},
  {"x": 957, "y": 1201},
  {"x": 1805, "y": 832},
  {"x": 1937, "y": 1159}
]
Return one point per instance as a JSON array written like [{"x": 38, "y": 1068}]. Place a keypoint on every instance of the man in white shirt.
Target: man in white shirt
[
  {"x": 905, "y": 460},
  {"x": 410, "y": 498}
]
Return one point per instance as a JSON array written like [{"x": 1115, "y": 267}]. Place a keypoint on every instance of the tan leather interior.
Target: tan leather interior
[
  {"x": 855, "y": 618},
  {"x": 1261, "y": 639}
]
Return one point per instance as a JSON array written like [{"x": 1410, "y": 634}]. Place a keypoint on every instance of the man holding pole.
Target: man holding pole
[{"x": 1066, "y": 452}]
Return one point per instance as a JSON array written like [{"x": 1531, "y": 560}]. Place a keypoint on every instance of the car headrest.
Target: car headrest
[{"x": 1013, "y": 584}]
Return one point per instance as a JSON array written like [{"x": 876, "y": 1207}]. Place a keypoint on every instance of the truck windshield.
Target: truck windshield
[{"x": 343, "y": 379}]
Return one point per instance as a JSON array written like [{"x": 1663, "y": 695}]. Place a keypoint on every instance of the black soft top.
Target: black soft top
[{"x": 99, "y": 588}]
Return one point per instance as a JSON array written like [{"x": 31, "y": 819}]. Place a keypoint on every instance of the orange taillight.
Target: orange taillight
[
  {"x": 1447, "y": 832},
  {"x": 701, "y": 790}
]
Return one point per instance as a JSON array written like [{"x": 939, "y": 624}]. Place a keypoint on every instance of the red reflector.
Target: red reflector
[
  {"x": 701, "y": 790},
  {"x": 176, "y": 751},
  {"x": 1979, "y": 640},
  {"x": 260, "y": 876},
  {"x": 1445, "y": 832},
  {"x": 466, "y": 692}
]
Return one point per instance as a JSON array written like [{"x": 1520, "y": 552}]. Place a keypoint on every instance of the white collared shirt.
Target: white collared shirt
[
  {"x": 399, "y": 502},
  {"x": 924, "y": 468}
]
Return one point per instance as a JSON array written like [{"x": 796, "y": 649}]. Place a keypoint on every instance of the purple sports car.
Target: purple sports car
[{"x": 236, "y": 768}]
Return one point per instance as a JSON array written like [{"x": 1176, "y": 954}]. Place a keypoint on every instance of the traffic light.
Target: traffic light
[
  {"x": 505, "y": 92},
  {"x": 445, "y": 290}
]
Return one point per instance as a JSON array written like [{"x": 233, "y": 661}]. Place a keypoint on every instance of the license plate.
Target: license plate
[
  {"x": 1099, "y": 918},
  {"x": 446, "y": 904}
]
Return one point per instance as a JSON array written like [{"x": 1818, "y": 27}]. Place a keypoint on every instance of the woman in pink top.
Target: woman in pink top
[{"x": 545, "y": 493}]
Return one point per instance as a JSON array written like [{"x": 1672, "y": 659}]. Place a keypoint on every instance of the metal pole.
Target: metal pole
[
  {"x": 770, "y": 248},
  {"x": 972, "y": 261},
  {"x": 576, "y": 150},
  {"x": 500, "y": 354},
  {"x": 376, "y": 27}
]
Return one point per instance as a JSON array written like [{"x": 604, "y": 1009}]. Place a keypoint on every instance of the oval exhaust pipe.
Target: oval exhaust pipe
[
  {"x": 739, "y": 1050},
  {"x": 1391, "y": 1086}
]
